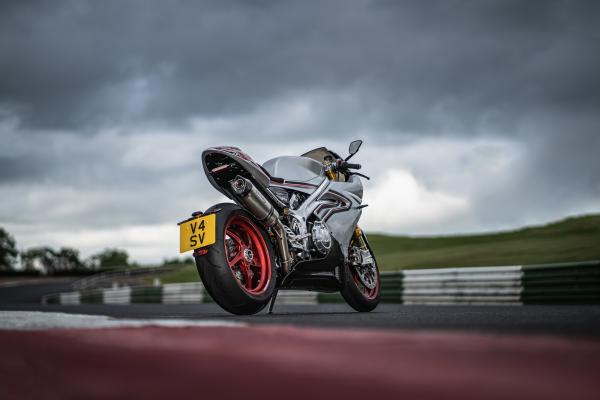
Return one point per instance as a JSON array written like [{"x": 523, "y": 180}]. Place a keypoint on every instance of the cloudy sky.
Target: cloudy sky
[{"x": 476, "y": 115}]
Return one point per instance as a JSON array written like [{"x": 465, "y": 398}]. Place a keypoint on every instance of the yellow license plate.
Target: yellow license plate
[{"x": 198, "y": 232}]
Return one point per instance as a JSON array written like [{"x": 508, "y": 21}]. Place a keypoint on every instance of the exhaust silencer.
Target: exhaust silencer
[{"x": 256, "y": 203}]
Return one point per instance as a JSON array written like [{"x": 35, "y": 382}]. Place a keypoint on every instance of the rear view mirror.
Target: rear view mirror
[{"x": 354, "y": 146}]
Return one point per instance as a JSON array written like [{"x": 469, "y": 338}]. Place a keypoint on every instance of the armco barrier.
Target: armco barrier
[
  {"x": 565, "y": 283},
  {"x": 172, "y": 293},
  {"x": 107, "y": 279},
  {"x": 476, "y": 285},
  {"x": 577, "y": 282}
]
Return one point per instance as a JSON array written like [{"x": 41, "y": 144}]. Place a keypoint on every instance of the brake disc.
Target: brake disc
[
  {"x": 367, "y": 276},
  {"x": 367, "y": 273}
]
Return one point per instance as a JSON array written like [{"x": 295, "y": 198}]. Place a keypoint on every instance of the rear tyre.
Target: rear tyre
[
  {"x": 354, "y": 291},
  {"x": 238, "y": 271}
]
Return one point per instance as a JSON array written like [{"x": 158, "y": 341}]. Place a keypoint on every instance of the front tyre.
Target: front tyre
[
  {"x": 239, "y": 269},
  {"x": 360, "y": 276}
]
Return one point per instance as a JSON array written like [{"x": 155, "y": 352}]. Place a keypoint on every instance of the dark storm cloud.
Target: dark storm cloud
[
  {"x": 410, "y": 66},
  {"x": 391, "y": 72},
  {"x": 14, "y": 169},
  {"x": 561, "y": 172}
]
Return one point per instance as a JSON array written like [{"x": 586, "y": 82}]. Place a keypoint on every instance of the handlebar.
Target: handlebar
[
  {"x": 346, "y": 165},
  {"x": 342, "y": 166}
]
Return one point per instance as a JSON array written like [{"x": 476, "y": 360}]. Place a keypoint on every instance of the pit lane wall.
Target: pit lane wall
[{"x": 533, "y": 284}]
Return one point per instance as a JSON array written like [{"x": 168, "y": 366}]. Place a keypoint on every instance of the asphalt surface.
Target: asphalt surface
[
  {"x": 580, "y": 321},
  {"x": 564, "y": 320},
  {"x": 157, "y": 351},
  {"x": 294, "y": 363},
  {"x": 19, "y": 291}
]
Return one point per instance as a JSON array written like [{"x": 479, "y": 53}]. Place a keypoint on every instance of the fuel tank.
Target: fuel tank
[
  {"x": 292, "y": 172},
  {"x": 295, "y": 168}
]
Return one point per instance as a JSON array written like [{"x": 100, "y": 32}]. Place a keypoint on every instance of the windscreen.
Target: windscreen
[{"x": 320, "y": 154}]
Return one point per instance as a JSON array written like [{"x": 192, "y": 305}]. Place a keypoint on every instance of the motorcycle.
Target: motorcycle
[{"x": 293, "y": 227}]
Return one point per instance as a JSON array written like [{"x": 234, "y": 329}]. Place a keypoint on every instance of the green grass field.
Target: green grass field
[
  {"x": 183, "y": 273},
  {"x": 572, "y": 239}
]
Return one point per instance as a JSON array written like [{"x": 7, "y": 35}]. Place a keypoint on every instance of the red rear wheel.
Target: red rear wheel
[
  {"x": 247, "y": 255},
  {"x": 238, "y": 270}
]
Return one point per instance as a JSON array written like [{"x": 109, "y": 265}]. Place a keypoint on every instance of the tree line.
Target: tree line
[{"x": 49, "y": 261}]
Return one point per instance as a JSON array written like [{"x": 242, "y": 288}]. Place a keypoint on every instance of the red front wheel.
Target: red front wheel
[
  {"x": 360, "y": 286},
  {"x": 238, "y": 270}
]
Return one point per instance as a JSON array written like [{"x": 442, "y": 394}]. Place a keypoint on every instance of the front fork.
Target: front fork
[{"x": 359, "y": 239}]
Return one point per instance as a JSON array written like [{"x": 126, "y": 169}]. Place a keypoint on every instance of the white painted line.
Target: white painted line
[
  {"x": 468, "y": 270},
  {"x": 455, "y": 277},
  {"x": 38, "y": 320},
  {"x": 480, "y": 291}
]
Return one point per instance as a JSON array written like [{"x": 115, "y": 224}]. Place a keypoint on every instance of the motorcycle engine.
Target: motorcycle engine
[
  {"x": 290, "y": 198},
  {"x": 321, "y": 237}
]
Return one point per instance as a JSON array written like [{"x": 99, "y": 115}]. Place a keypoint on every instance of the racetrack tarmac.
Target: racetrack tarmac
[
  {"x": 567, "y": 320},
  {"x": 293, "y": 363},
  {"x": 156, "y": 351},
  {"x": 413, "y": 352}
]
